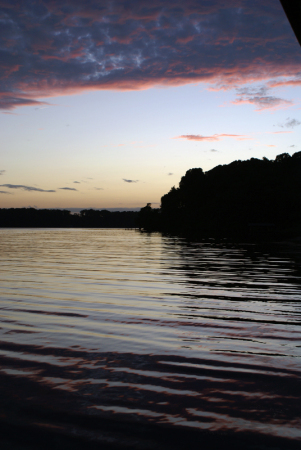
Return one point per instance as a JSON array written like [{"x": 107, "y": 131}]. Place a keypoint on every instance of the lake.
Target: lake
[{"x": 114, "y": 338}]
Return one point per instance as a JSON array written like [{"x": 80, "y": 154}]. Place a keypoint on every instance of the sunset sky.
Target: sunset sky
[{"x": 106, "y": 104}]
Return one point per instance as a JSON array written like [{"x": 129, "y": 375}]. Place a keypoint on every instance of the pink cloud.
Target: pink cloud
[
  {"x": 122, "y": 40},
  {"x": 284, "y": 83},
  {"x": 214, "y": 137},
  {"x": 184, "y": 40},
  {"x": 10, "y": 113},
  {"x": 281, "y": 132}
]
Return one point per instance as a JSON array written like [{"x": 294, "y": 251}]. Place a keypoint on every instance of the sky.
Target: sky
[{"x": 106, "y": 104}]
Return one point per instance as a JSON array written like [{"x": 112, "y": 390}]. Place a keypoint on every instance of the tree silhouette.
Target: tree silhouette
[{"x": 229, "y": 199}]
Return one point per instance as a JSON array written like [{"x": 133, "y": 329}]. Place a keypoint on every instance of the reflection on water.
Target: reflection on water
[{"x": 117, "y": 327}]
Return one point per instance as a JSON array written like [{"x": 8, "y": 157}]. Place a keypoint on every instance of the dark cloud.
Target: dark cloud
[
  {"x": 77, "y": 182},
  {"x": 64, "y": 46},
  {"x": 130, "y": 181},
  {"x": 2, "y": 172},
  {"x": 4, "y": 192},
  {"x": 213, "y": 150},
  {"x": 170, "y": 173},
  {"x": 98, "y": 189},
  {"x": 293, "y": 146},
  {"x": 68, "y": 189},
  {"x": 10, "y": 102},
  {"x": 290, "y": 123},
  {"x": 25, "y": 188},
  {"x": 260, "y": 97}
]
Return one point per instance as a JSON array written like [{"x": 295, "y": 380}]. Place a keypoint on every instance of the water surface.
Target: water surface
[{"x": 145, "y": 341}]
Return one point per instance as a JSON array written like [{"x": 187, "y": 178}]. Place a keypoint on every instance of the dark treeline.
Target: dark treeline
[
  {"x": 56, "y": 218},
  {"x": 241, "y": 199}
]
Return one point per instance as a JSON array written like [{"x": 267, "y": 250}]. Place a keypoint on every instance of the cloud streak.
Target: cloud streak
[
  {"x": 130, "y": 181},
  {"x": 68, "y": 189},
  {"x": 281, "y": 132},
  {"x": 213, "y": 137},
  {"x": 51, "y": 48},
  {"x": 25, "y": 188}
]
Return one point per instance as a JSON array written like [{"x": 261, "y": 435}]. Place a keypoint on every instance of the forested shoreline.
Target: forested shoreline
[
  {"x": 241, "y": 199},
  {"x": 56, "y": 218}
]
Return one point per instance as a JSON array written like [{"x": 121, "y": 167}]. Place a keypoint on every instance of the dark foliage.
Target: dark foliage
[
  {"x": 56, "y": 218},
  {"x": 254, "y": 196},
  {"x": 149, "y": 218},
  {"x": 106, "y": 219}
]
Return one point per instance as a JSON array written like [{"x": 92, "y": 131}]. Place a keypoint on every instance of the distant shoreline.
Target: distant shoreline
[{"x": 56, "y": 218}]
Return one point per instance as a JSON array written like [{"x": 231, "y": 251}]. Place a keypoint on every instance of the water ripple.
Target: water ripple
[{"x": 122, "y": 327}]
